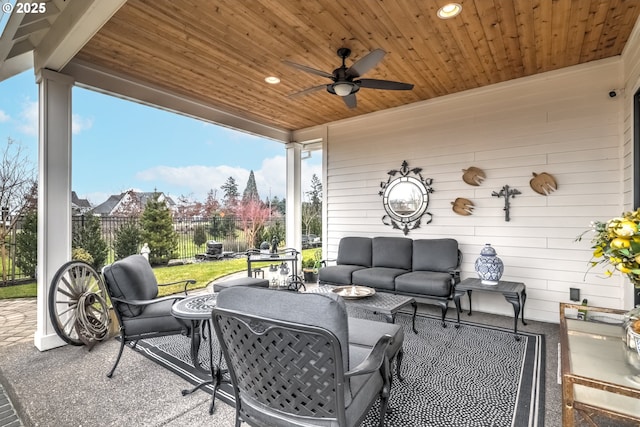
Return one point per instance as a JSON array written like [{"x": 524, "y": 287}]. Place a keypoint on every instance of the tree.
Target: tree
[
  {"x": 312, "y": 209},
  {"x": 157, "y": 231},
  {"x": 87, "y": 235},
  {"x": 211, "y": 204},
  {"x": 230, "y": 188},
  {"x": 127, "y": 240},
  {"x": 253, "y": 215},
  {"x": 251, "y": 190},
  {"x": 315, "y": 194},
  {"x": 199, "y": 235},
  {"x": 27, "y": 244},
  {"x": 279, "y": 205},
  {"x": 18, "y": 192}
]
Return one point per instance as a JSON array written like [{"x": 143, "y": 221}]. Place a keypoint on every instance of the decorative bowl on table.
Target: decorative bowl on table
[
  {"x": 353, "y": 292},
  {"x": 633, "y": 349}
]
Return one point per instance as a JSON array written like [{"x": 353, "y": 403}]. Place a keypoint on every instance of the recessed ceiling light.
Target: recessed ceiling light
[
  {"x": 272, "y": 80},
  {"x": 449, "y": 10}
]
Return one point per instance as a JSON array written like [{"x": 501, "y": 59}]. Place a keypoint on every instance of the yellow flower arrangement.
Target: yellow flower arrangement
[{"x": 617, "y": 243}]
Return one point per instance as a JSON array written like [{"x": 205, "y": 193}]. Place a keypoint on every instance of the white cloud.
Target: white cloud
[
  {"x": 196, "y": 181},
  {"x": 4, "y": 117},
  {"x": 28, "y": 121},
  {"x": 79, "y": 123}
]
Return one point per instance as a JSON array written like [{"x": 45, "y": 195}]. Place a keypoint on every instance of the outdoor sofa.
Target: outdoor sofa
[{"x": 420, "y": 268}]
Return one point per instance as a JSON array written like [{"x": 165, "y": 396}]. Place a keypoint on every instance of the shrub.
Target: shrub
[
  {"x": 127, "y": 240},
  {"x": 199, "y": 235},
  {"x": 87, "y": 235},
  {"x": 79, "y": 254},
  {"x": 158, "y": 232},
  {"x": 27, "y": 245}
]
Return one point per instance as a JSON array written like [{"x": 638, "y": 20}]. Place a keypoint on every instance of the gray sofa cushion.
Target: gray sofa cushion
[
  {"x": 354, "y": 251},
  {"x": 435, "y": 255},
  {"x": 131, "y": 278},
  {"x": 392, "y": 252},
  {"x": 377, "y": 277},
  {"x": 428, "y": 283},
  {"x": 337, "y": 274},
  {"x": 366, "y": 333},
  {"x": 154, "y": 318}
]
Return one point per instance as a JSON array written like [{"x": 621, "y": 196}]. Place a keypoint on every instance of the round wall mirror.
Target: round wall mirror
[{"x": 405, "y": 199}]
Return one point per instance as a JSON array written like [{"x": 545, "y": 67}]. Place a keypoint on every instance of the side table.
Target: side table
[
  {"x": 514, "y": 292},
  {"x": 197, "y": 309}
]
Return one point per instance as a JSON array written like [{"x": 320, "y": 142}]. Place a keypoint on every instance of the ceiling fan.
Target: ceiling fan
[{"x": 347, "y": 81}]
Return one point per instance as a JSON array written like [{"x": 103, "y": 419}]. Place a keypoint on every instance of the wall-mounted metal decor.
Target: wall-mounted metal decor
[
  {"x": 405, "y": 197},
  {"x": 543, "y": 183},
  {"x": 462, "y": 206},
  {"x": 507, "y": 193},
  {"x": 473, "y": 176}
]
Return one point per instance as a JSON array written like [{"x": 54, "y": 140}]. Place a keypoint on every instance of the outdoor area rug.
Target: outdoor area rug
[{"x": 471, "y": 376}]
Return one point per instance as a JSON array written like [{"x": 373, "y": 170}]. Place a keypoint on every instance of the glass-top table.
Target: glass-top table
[{"x": 600, "y": 374}]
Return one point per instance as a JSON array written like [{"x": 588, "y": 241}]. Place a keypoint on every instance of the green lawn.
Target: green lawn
[{"x": 201, "y": 272}]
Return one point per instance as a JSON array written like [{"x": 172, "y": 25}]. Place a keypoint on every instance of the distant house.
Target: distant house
[
  {"x": 129, "y": 203},
  {"x": 78, "y": 205}
]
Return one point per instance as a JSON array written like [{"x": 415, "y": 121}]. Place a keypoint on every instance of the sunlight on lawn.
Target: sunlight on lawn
[{"x": 202, "y": 272}]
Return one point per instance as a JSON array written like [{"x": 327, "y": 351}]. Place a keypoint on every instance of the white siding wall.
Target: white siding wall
[
  {"x": 563, "y": 123},
  {"x": 631, "y": 75}
]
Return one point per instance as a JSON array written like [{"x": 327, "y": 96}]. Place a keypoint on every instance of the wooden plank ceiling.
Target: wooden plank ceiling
[{"x": 220, "y": 51}]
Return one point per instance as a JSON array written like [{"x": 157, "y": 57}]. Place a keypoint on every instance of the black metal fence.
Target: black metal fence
[{"x": 225, "y": 230}]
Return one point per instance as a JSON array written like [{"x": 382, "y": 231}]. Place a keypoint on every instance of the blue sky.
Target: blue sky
[{"x": 118, "y": 145}]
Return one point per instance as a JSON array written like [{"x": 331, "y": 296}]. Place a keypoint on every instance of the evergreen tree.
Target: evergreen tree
[
  {"x": 27, "y": 244},
  {"x": 278, "y": 205},
  {"x": 87, "y": 235},
  {"x": 230, "y": 189},
  {"x": 251, "y": 190},
  {"x": 158, "y": 232},
  {"x": 315, "y": 194},
  {"x": 127, "y": 240},
  {"x": 199, "y": 235}
]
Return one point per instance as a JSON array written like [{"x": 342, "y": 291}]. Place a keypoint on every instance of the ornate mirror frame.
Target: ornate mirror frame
[{"x": 405, "y": 198}]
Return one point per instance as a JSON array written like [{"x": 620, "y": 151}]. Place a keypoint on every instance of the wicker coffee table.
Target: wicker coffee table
[{"x": 382, "y": 303}]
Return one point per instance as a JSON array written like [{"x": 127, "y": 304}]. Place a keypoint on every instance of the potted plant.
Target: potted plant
[{"x": 310, "y": 267}]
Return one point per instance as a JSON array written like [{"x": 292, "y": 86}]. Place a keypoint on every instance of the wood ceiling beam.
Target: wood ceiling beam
[{"x": 72, "y": 29}]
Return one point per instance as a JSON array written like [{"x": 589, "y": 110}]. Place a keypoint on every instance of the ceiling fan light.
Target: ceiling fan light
[
  {"x": 343, "y": 89},
  {"x": 449, "y": 10}
]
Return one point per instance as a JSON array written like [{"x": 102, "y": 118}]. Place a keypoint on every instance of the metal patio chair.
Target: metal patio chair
[
  {"x": 133, "y": 290},
  {"x": 290, "y": 362}
]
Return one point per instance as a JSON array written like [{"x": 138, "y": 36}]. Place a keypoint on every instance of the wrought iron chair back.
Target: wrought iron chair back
[{"x": 289, "y": 373}]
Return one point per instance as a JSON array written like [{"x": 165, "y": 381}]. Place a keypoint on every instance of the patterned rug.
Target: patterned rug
[{"x": 471, "y": 376}]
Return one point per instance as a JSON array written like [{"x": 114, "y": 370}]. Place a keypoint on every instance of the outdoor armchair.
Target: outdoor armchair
[
  {"x": 133, "y": 290},
  {"x": 290, "y": 362}
]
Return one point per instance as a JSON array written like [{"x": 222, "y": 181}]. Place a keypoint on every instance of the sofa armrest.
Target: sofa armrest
[{"x": 324, "y": 262}]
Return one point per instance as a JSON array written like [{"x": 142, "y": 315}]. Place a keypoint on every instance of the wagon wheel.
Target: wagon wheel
[{"x": 78, "y": 304}]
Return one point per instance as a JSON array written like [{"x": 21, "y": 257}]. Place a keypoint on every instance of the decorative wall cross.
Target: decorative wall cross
[{"x": 506, "y": 192}]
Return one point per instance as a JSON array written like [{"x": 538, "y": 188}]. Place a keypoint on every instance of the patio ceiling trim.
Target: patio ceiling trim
[
  {"x": 73, "y": 28},
  {"x": 50, "y": 39},
  {"x": 101, "y": 80}
]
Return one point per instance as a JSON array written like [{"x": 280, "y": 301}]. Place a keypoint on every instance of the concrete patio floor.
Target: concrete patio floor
[{"x": 67, "y": 386}]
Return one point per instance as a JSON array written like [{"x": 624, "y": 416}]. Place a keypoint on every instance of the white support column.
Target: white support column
[
  {"x": 54, "y": 193},
  {"x": 293, "y": 223}
]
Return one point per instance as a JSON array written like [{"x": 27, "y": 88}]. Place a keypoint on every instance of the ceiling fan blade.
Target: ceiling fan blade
[
  {"x": 309, "y": 69},
  {"x": 366, "y": 63},
  {"x": 383, "y": 84},
  {"x": 350, "y": 100},
  {"x": 307, "y": 91}
]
